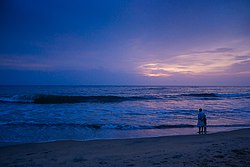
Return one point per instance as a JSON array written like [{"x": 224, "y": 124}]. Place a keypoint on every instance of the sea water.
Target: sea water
[{"x": 49, "y": 113}]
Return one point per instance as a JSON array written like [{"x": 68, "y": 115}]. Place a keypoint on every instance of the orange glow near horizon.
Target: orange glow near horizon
[{"x": 210, "y": 62}]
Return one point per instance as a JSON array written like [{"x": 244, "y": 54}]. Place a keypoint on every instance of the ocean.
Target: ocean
[{"x": 51, "y": 113}]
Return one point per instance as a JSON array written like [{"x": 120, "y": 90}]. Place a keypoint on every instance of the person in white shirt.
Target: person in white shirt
[{"x": 202, "y": 121}]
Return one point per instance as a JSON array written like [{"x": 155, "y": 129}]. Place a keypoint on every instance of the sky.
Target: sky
[{"x": 125, "y": 42}]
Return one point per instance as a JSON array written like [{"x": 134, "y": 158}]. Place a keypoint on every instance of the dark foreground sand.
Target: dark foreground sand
[{"x": 220, "y": 149}]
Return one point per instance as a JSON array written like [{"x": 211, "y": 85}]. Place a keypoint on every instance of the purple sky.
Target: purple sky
[{"x": 120, "y": 42}]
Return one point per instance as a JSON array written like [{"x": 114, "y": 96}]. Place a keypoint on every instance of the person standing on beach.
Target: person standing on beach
[{"x": 202, "y": 121}]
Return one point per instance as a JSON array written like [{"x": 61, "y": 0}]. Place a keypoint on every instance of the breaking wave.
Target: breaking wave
[
  {"x": 201, "y": 95},
  {"x": 114, "y": 126},
  {"x": 214, "y": 96},
  {"x": 98, "y": 126},
  {"x": 59, "y": 99}
]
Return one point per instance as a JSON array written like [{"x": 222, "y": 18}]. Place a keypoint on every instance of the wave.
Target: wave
[
  {"x": 201, "y": 95},
  {"x": 234, "y": 95},
  {"x": 54, "y": 99},
  {"x": 97, "y": 126},
  {"x": 59, "y": 99},
  {"x": 215, "y": 96},
  {"x": 115, "y": 126},
  {"x": 17, "y": 99}
]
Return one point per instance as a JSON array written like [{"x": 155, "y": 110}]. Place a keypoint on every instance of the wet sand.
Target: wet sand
[{"x": 219, "y": 149}]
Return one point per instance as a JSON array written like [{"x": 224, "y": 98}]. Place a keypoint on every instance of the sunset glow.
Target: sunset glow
[
  {"x": 197, "y": 63},
  {"x": 115, "y": 42}
]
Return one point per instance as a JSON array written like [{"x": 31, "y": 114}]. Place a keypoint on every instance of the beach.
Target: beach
[{"x": 218, "y": 149}]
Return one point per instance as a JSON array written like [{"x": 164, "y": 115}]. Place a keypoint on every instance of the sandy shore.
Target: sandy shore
[{"x": 220, "y": 149}]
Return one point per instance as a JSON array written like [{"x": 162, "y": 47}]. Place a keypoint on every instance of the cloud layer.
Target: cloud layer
[{"x": 216, "y": 61}]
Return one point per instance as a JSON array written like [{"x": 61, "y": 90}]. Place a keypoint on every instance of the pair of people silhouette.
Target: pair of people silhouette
[{"x": 202, "y": 122}]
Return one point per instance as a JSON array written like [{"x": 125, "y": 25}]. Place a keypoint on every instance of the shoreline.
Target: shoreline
[
  {"x": 216, "y": 149},
  {"x": 131, "y": 135}
]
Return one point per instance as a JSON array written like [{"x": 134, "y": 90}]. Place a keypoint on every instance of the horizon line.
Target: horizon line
[{"x": 122, "y": 85}]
